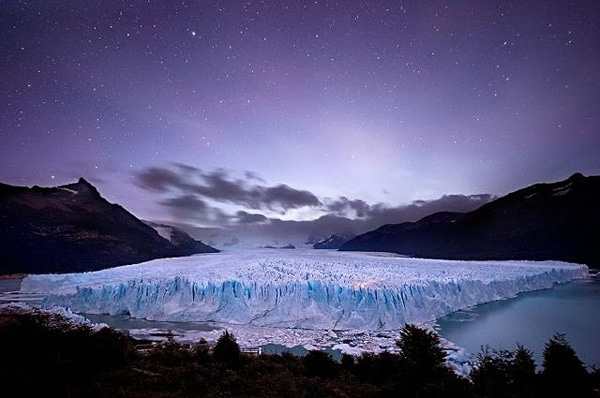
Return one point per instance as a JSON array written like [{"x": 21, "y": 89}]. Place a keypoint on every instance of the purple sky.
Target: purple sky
[{"x": 377, "y": 102}]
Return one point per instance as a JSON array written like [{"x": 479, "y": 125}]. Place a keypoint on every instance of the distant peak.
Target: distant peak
[
  {"x": 577, "y": 177},
  {"x": 82, "y": 185},
  {"x": 84, "y": 181}
]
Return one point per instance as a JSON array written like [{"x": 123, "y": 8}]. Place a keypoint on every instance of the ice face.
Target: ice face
[{"x": 298, "y": 289}]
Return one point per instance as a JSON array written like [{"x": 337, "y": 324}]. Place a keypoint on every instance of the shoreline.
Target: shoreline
[{"x": 5, "y": 277}]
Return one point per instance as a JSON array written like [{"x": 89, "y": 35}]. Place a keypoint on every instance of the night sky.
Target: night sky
[{"x": 216, "y": 113}]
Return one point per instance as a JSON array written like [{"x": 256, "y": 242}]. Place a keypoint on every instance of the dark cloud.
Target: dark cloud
[
  {"x": 186, "y": 167},
  {"x": 373, "y": 216},
  {"x": 250, "y": 218},
  {"x": 159, "y": 179},
  {"x": 190, "y": 207},
  {"x": 190, "y": 190},
  {"x": 343, "y": 205},
  {"x": 285, "y": 197},
  {"x": 250, "y": 175},
  {"x": 219, "y": 186},
  {"x": 285, "y": 231},
  {"x": 381, "y": 213},
  {"x": 187, "y": 202}
]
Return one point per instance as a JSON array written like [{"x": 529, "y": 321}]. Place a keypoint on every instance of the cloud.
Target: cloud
[
  {"x": 190, "y": 207},
  {"x": 250, "y": 218},
  {"x": 158, "y": 179},
  {"x": 285, "y": 197},
  {"x": 186, "y": 202},
  {"x": 250, "y": 175},
  {"x": 192, "y": 194},
  {"x": 368, "y": 217},
  {"x": 380, "y": 214},
  {"x": 343, "y": 205},
  {"x": 219, "y": 186},
  {"x": 186, "y": 167},
  {"x": 385, "y": 214},
  {"x": 285, "y": 231}
]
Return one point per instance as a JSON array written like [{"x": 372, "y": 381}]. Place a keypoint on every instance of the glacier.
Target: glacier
[{"x": 305, "y": 289}]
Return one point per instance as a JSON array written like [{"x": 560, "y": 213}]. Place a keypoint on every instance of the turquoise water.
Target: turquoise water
[{"x": 531, "y": 319}]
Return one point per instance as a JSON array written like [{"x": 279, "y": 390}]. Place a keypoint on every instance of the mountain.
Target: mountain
[
  {"x": 334, "y": 241},
  {"x": 181, "y": 240},
  {"x": 556, "y": 221},
  {"x": 71, "y": 228}
]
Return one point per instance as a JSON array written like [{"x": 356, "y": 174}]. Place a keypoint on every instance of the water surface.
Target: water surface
[{"x": 531, "y": 319}]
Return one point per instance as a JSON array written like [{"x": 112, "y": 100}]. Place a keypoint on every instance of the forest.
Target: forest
[{"x": 46, "y": 354}]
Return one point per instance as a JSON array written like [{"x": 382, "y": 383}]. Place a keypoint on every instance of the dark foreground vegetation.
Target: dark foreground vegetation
[{"x": 43, "y": 355}]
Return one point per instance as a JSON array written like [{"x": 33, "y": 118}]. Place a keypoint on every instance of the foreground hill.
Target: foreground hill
[
  {"x": 71, "y": 228},
  {"x": 556, "y": 221}
]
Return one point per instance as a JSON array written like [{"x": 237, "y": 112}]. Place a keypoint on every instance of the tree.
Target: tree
[
  {"x": 319, "y": 363},
  {"x": 522, "y": 372},
  {"x": 422, "y": 366},
  {"x": 347, "y": 362},
  {"x": 420, "y": 350},
  {"x": 201, "y": 351},
  {"x": 367, "y": 369},
  {"x": 564, "y": 373},
  {"x": 491, "y": 375},
  {"x": 227, "y": 350}
]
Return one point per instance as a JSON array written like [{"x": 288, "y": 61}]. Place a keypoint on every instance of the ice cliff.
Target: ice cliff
[{"x": 299, "y": 289}]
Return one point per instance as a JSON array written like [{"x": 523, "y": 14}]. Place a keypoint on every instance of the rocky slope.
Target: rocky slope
[
  {"x": 72, "y": 228},
  {"x": 334, "y": 241},
  {"x": 184, "y": 243},
  {"x": 557, "y": 221}
]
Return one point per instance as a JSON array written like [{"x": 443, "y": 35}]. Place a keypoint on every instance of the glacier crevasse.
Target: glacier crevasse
[{"x": 303, "y": 289}]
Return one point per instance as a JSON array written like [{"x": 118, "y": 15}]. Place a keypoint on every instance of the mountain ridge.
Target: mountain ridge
[
  {"x": 72, "y": 228},
  {"x": 540, "y": 222},
  {"x": 333, "y": 241}
]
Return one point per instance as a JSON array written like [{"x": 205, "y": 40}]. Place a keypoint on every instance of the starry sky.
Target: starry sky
[{"x": 216, "y": 113}]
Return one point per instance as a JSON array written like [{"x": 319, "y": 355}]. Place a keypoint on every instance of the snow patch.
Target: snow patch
[
  {"x": 74, "y": 192},
  {"x": 562, "y": 190},
  {"x": 164, "y": 232}
]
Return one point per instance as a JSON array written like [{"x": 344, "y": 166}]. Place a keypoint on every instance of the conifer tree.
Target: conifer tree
[
  {"x": 564, "y": 372},
  {"x": 227, "y": 350}
]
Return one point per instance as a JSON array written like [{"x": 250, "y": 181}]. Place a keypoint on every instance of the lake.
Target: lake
[{"x": 531, "y": 319}]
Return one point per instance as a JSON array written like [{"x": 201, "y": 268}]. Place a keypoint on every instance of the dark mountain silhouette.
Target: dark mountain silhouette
[
  {"x": 556, "y": 221},
  {"x": 334, "y": 241},
  {"x": 71, "y": 228}
]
